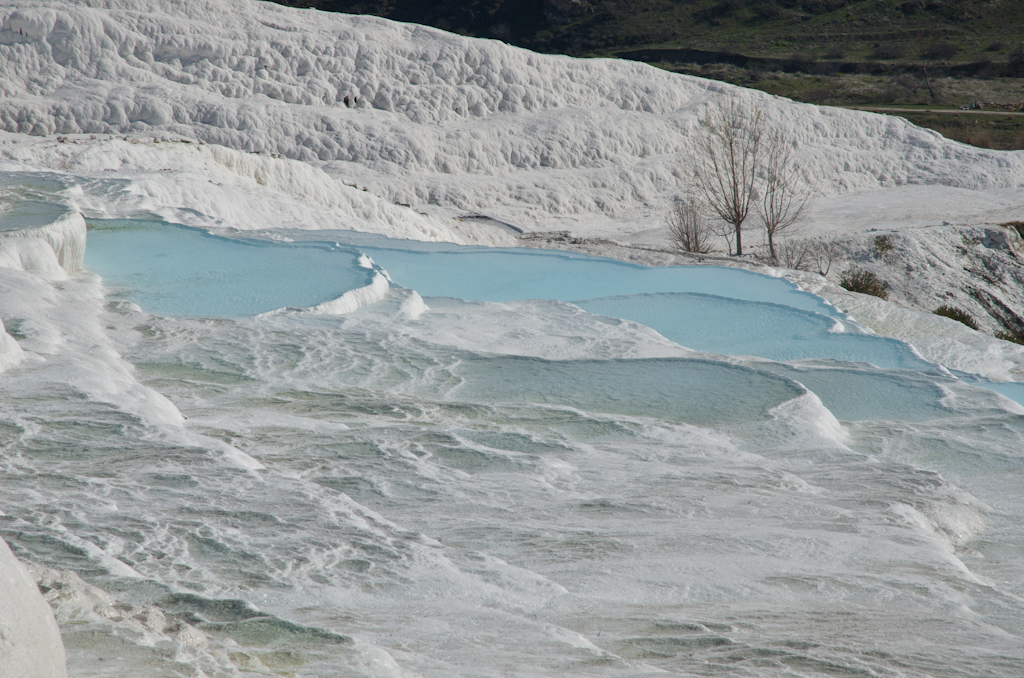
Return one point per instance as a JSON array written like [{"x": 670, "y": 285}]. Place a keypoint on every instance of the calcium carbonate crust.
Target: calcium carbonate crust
[
  {"x": 51, "y": 249},
  {"x": 422, "y": 116},
  {"x": 30, "y": 644}
]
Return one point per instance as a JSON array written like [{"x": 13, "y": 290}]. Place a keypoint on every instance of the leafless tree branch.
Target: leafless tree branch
[
  {"x": 823, "y": 253},
  {"x": 688, "y": 230},
  {"x": 782, "y": 199},
  {"x": 725, "y": 158}
]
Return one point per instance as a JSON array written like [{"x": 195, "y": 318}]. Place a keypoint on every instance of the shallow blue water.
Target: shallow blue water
[
  {"x": 29, "y": 214},
  {"x": 177, "y": 271},
  {"x": 853, "y": 394},
  {"x": 185, "y": 272},
  {"x": 702, "y": 392},
  {"x": 1012, "y": 390},
  {"x": 490, "y": 274},
  {"x": 735, "y": 327},
  {"x": 29, "y": 199}
]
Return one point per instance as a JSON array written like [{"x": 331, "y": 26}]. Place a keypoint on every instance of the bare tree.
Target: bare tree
[
  {"x": 782, "y": 199},
  {"x": 724, "y": 231},
  {"x": 725, "y": 158},
  {"x": 808, "y": 255},
  {"x": 823, "y": 253},
  {"x": 688, "y": 230},
  {"x": 929, "y": 60},
  {"x": 793, "y": 254}
]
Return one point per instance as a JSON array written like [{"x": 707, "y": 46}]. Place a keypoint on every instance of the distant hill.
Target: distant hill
[
  {"x": 837, "y": 52},
  {"x": 988, "y": 33}
]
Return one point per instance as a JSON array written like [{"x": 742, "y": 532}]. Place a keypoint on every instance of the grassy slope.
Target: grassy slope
[
  {"x": 837, "y": 52},
  {"x": 848, "y": 29}
]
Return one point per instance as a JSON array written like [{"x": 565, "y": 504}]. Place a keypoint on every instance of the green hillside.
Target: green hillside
[{"x": 939, "y": 54}]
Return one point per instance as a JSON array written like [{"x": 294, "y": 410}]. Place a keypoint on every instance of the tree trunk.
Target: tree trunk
[
  {"x": 739, "y": 240},
  {"x": 928, "y": 83}
]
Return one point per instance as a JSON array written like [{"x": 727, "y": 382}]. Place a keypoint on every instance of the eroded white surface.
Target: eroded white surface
[
  {"x": 310, "y": 493},
  {"x": 30, "y": 644}
]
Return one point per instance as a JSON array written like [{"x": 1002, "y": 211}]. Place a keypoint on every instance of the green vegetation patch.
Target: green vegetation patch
[
  {"x": 956, "y": 314},
  {"x": 1009, "y": 336},
  {"x": 864, "y": 282}
]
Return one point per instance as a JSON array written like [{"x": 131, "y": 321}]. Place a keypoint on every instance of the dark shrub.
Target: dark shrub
[
  {"x": 1015, "y": 62},
  {"x": 892, "y": 94},
  {"x": 817, "y": 6},
  {"x": 825, "y": 68},
  {"x": 864, "y": 282},
  {"x": 910, "y": 7},
  {"x": 987, "y": 70},
  {"x": 817, "y": 96},
  {"x": 836, "y": 51},
  {"x": 1009, "y": 336},
  {"x": 884, "y": 245},
  {"x": 907, "y": 82},
  {"x": 799, "y": 63},
  {"x": 941, "y": 50},
  {"x": 888, "y": 50},
  {"x": 956, "y": 314},
  {"x": 767, "y": 10},
  {"x": 724, "y": 8}
]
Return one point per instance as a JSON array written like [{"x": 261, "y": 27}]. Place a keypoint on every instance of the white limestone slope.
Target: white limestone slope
[
  {"x": 211, "y": 186},
  {"x": 30, "y": 644},
  {"x": 49, "y": 246},
  {"x": 10, "y": 352},
  {"x": 421, "y": 116},
  {"x": 50, "y": 249}
]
